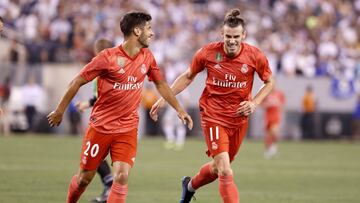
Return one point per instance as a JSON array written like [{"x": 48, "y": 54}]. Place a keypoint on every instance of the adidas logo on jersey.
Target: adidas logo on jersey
[{"x": 122, "y": 71}]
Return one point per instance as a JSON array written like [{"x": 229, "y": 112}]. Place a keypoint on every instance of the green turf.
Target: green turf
[{"x": 37, "y": 169}]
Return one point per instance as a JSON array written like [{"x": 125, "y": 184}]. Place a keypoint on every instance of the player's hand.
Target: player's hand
[
  {"x": 54, "y": 118},
  {"x": 246, "y": 108},
  {"x": 155, "y": 109},
  {"x": 185, "y": 118},
  {"x": 82, "y": 106}
]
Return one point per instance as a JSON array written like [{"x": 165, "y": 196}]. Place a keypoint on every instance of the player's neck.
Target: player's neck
[{"x": 131, "y": 47}]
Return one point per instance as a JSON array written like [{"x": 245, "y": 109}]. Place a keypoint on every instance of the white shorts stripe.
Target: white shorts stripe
[
  {"x": 211, "y": 134},
  {"x": 217, "y": 132}
]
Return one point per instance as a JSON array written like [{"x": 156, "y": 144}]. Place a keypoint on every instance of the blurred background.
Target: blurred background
[
  {"x": 313, "y": 48},
  {"x": 309, "y": 43}
]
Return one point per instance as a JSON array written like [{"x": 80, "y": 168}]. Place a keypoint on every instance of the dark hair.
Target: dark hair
[
  {"x": 133, "y": 19},
  {"x": 1, "y": 19},
  {"x": 233, "y": 19}
]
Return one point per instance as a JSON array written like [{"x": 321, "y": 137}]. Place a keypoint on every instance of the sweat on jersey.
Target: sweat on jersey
[
  {"x": 229, "y": 81},
  {"x": 120, "y": 80}
]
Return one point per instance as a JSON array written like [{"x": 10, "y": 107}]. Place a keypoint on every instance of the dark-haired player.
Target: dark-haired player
[
  {"x": 120, "y": 72},
  {"x": 225, "y": 104}
]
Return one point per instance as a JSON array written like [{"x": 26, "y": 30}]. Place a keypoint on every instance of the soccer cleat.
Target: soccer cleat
[
  {"x": 103, "y": 197},
  {"x": 186, "y": 194}
]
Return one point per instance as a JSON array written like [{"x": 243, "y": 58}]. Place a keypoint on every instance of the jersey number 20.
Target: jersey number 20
[{"x": 94, "y": 150}]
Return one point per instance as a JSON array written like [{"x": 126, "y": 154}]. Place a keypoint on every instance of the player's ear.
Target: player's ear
[
  {"x": 244, "y": 34},
  {"x": 137, "y": 31}
]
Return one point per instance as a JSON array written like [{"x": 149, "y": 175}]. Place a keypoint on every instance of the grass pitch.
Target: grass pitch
[{"x": 37, "y": 169}]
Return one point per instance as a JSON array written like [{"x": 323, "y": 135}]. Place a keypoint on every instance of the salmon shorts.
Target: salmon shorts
[
  {"x": 221, "y": 139},
  {"x": 96, "y": 146}
]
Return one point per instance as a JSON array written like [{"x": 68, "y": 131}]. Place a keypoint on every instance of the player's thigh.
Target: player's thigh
[
  {"x": 216, "y": 138},
  {"x": 236, "y": 138},
  {"x": 124, "y": 146},
  {"x": 95, "y": 147}
]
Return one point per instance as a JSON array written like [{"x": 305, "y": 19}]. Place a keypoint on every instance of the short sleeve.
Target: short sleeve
[
  {"x": 97, "y": 66},
  {"x": 262, "y": 66},
  {"x": 154, "y": 73},
  {"x": 197, "y": 63}
]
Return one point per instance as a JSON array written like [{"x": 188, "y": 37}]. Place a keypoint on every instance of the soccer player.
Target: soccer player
[
  {"x": 272, "y": 104},
  {"x": 114, "y": 119},
  {"x": 225, "y": 104},
  {"x": 104, "y": 169}
]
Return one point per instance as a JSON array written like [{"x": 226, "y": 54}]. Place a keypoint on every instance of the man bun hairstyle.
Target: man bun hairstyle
[
  {"x": 233, "y": 19},
  {"x": 133, "y": 19}
]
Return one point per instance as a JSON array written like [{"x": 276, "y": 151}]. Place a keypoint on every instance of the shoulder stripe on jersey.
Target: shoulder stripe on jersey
[{"x": 217, "y": 132}]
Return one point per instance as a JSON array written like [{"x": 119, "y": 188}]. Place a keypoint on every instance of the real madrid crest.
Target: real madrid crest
[
  {"x": 143, "y": 69},
  {"x": 244, "y": 68},
  {"x": 214, "y": 146}
]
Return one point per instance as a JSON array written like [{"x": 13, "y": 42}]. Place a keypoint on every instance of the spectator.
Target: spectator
[
  {"x": 308, "y": 118},
  {"x": 32, "y": 94}
]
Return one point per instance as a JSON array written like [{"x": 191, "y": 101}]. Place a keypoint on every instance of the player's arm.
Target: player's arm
[
  {"x": 169, "y": 96},
  {"x": 55, "y": 116},
  {"x": 248, "y": 107},
  {"x": 181, "y": 82}
]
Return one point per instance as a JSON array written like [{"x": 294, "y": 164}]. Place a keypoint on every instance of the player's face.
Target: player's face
[
  {"x": 1, "y": 26},
  {"x": 146, "y": 35},
  {"x": 233, "y": 36}
]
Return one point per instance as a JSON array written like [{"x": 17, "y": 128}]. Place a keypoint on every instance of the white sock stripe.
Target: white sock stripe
[
  {"x": 217, "y": 132},
  {"x": 211, "y": 134}
]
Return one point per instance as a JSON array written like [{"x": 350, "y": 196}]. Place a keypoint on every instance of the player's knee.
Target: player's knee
[
  {"x": 121, "y": 177},
  {"x": 225, "y": 171},
  {"x": 84, "y": 180}
]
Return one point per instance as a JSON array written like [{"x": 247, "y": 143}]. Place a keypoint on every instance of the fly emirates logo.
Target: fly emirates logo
[
  {"x": 130, "y": 85},
  {"x": 230, "y": 81}
]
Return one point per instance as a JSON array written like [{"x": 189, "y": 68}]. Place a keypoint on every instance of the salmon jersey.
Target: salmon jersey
[
  {"x": 229, "y": 81},
  {"x": 273, "y": 104},
  {"x": 120, "y": 80}
]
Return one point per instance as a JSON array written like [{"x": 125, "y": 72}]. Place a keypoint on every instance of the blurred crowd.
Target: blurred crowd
[{"x": 300, "y": 37}]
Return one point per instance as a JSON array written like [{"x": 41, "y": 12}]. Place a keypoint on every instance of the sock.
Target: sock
[
  {"x": 205, "y": 176},
  {"x": 228, "y": 190},
  {"x": 118, "y": 193},
  {"x": 268, "y": 141},
  {"x": 105, "y": 173},
  {"x": 74, "y": 191}
]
